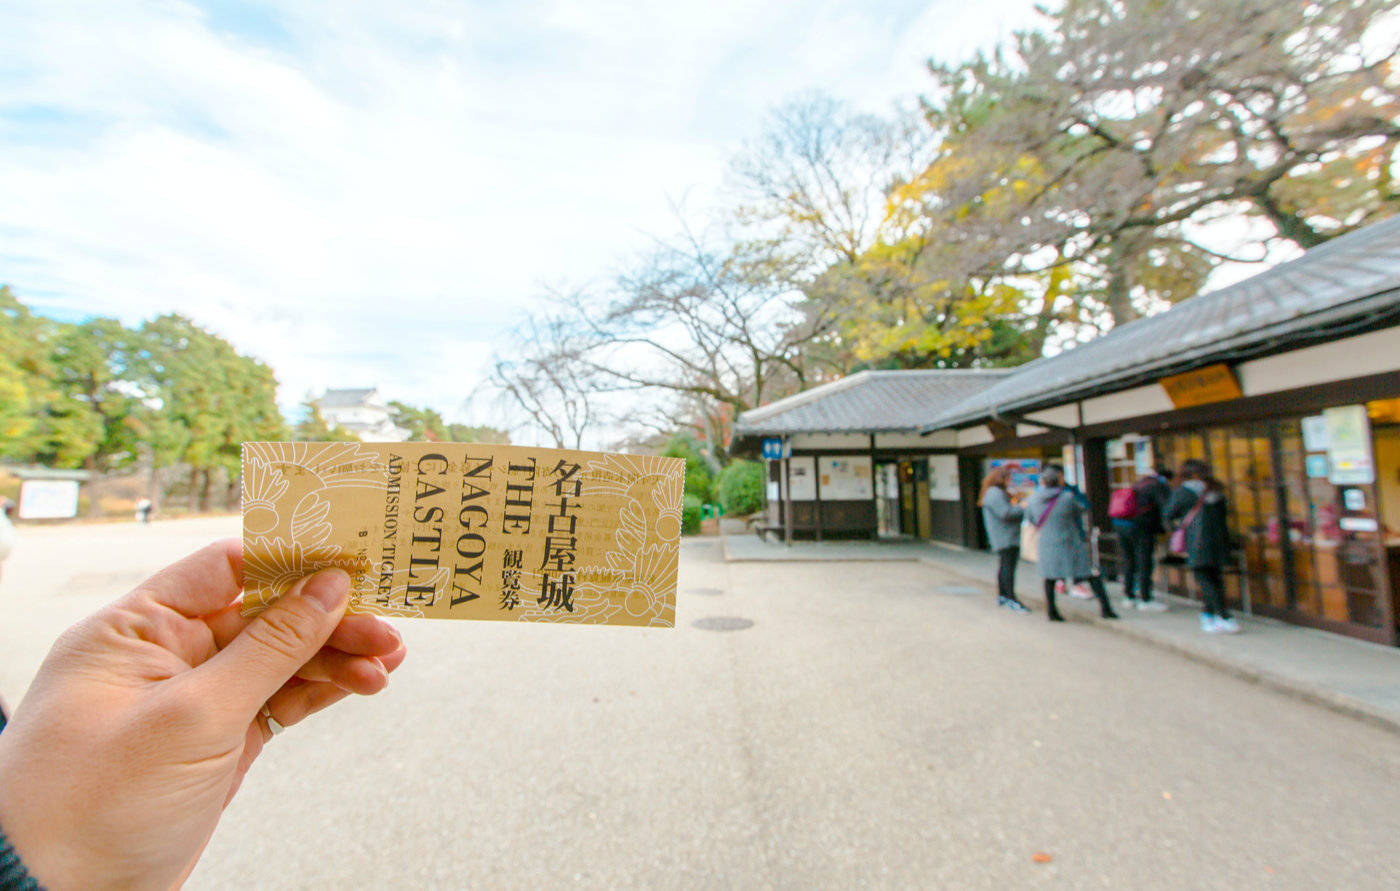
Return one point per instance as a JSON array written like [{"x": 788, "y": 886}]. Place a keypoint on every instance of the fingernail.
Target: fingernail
[
  {"x": 394, "y": 631},
  {"x": 328, "y": 588}
]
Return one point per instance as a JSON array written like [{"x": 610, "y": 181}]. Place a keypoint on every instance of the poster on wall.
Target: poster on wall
[
  {"x": 1025, "y": 473},
  {"x": 1069, "y": 457},
  {"x": 1143, "y": 464},
  {"x": 803, "y": 479},
  {"x": 846, "y": 479},
  {"x": 1315, "y": 434},
  {"x": 1349, "y": 446},
  {"x": 943, "y": 478}
]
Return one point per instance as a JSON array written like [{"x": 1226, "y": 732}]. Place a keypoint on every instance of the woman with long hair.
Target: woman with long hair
[
  {"x": 1003, "y": 521},
  {"x": 1198, "y": 506},
  {"x": 1058, "y": 512}
]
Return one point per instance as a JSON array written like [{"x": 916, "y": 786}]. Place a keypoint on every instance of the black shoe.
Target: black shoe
[
  {"x": 1054, "y": 616},
  {"x": 1108, "y": 614}
]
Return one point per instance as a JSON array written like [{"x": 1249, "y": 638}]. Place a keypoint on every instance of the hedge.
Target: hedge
[
  {"x": 690, "y": 515},
  {"x": 742, "y": 488}
]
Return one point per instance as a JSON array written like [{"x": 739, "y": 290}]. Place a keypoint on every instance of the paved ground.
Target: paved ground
[
  {"x": 1348, "y": 675},
  {"x": 878, "y": 725}
]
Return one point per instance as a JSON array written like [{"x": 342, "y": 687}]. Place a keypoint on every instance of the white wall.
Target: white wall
[
  {"x": 1373, "y": 353},
  {"x": 802, "y": 476},
  {"x": 845, "y": 478},
  {"x": 943, "y": 478}
]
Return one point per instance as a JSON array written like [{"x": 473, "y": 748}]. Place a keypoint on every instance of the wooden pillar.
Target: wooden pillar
[
  {"x": 874, "y": 491},
  {"x": 817, "y": 481},
  {"x": 1096, "y": 480},
  {"x": 969, "y": 484},
  {"x": 787, "y": 492}
]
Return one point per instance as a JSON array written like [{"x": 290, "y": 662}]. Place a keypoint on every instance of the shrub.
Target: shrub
[
  {"x": 742, "y": 488},
  {"x": 699, "y": 479},
  {"x": 690, "y": 515}
]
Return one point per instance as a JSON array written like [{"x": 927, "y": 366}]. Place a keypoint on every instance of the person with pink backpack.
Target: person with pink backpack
[{"x": 1136, "y": 514}]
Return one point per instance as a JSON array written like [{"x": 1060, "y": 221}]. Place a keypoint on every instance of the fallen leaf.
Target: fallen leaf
[
  {"x": 1041, "y": 857},
  {"x": 1167, "y": 796}
]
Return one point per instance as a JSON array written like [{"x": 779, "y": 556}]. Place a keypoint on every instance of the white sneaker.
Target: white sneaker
[
  {"x": 1227, "y": 626},
  {"x": 1151, "y": 606},
  {"x": 1208, "y": 624}
]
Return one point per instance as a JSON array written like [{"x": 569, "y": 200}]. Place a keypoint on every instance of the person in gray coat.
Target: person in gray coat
[
  {"x": 1056, "y": 509},
  {"x": 1002, "y": 518}
]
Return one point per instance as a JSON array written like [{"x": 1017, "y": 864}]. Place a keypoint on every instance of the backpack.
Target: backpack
[{"x": 1123, "y": 503}]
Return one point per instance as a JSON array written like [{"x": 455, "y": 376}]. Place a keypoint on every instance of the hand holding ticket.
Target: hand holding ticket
[{"x": 467, "y": 530}]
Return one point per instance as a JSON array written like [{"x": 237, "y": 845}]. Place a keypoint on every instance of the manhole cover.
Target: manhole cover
[
  {"x": 957, "y": 589},
  {"x": 705, "y": 592},
  {"x": 722, "y": 623}
]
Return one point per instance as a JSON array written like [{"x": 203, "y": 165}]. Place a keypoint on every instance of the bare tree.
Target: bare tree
[
  {"x": 818, "y": 176},
  {"x": 721, "y": 324},
  {"x": 547, "y": 377}
]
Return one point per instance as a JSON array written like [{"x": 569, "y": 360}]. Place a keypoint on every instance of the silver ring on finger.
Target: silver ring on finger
[{"x": 272, "y": 724}]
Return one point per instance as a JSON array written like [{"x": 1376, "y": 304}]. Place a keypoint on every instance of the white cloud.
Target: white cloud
[{"x": 369, "y": 193}]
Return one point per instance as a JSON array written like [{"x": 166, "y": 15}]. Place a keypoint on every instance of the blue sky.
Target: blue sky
[{"x": 364, "y": 192}]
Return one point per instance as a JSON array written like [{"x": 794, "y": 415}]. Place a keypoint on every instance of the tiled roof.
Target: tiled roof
[
  {"x": 867, "y": 402},
  {"x": 1346, "y": 281},
  {"x": 344, "y": 398}
]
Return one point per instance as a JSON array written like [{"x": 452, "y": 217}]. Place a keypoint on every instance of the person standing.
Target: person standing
[
  {"x": 1064, "y": 553},
  {"x": 1002, "y": 518},
  {"x": 1137, "y": 534},
  {"x": 1199, "y": 509}
]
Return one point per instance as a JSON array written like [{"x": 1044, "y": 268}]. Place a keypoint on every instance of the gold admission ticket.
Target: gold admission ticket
[{"x": 466, "y": 530}]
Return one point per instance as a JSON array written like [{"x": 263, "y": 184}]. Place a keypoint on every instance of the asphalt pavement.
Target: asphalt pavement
[{"x": 876, "y": 725}]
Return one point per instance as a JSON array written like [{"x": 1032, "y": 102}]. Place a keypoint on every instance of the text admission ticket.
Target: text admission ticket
[{"x": 465, "y": 530}]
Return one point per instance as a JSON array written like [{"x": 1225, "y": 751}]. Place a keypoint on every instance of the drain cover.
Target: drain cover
[
  {"x": 705, "y": 592},
  {"x": 957, "y": 589},
  {"x": 722, "y": 623}
]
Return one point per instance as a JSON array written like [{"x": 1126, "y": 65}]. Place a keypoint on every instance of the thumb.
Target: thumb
[{"x": 281, "y": 640}]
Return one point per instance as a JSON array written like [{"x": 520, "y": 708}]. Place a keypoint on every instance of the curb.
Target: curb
[
  {"x": 1329, "y": 699},
  {"x": 730, "y": 558}
]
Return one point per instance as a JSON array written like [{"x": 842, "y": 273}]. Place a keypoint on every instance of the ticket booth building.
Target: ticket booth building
[
  {"x": 1286, "y": 384},
  {"x": 846, "y": 459}
]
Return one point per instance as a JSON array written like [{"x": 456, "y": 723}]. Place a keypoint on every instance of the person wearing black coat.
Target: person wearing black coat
[
  {"x": 1138, "y": 536},
  {"x": 1199, "y": 505}
]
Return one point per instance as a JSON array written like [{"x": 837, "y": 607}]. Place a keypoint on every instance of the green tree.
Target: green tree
[
  {"x": 421, "y": 423},
  {"x": 210, "y": 400},
  {"x": 21, "y": 369},
  {"x": 477, "y": 433},
  {"x": 312, "y": 427},
  {"x": 90, "y": 363},
  {"x": 46, "y": 423},
  {"x": 699, "y": 476},
  {"x": 742, "y": 488}
]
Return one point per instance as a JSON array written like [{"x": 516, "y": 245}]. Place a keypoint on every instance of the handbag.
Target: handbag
[
  {"x": 1176, "y": 545},
  {"x": 1030, "y": 542},
  {"x": 1030, "y": 533}
]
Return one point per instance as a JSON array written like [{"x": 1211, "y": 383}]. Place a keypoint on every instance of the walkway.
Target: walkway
[{"x": 1349, "y": 676}]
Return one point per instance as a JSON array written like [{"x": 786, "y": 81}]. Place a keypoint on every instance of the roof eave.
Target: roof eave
[{"x": 1236, "y": 348}]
